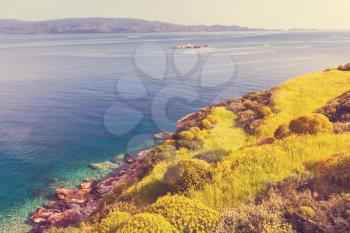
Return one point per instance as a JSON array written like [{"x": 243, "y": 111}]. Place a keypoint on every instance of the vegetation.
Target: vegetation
[
  {"x": 185, "y": 214},
  {"x": 188, "y": 174},
  {"x": 275, "y": 161},
  {"x": 311, "y": 124},
  {"x": 250, "y": 218},
  {"x": 145, "y": 223},
  {"x": 282, "y": 131},
  {"x": 113, "y": 221},
  {"x": 164, "y": 152}
]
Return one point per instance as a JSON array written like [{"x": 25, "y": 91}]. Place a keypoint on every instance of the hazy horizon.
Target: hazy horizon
[{"x": 269, "y": 14}]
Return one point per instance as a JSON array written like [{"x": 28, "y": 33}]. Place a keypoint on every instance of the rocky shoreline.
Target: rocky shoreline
[{"x": 75, "y": 205}]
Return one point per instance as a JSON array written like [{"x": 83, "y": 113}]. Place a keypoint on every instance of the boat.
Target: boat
[{"x": 189, "y": 46}]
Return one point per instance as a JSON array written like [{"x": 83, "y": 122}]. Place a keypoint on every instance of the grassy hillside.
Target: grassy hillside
[{"x": 267, "y": 162}]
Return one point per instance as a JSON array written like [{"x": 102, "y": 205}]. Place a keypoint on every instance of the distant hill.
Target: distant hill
[{"x": 105, "y": 25}]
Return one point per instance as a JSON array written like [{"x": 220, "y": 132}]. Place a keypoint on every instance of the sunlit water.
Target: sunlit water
[{"x": 62, "y": 106}]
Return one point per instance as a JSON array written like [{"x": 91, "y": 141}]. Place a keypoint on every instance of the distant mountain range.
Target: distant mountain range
[{"x": 105, "y": 25}]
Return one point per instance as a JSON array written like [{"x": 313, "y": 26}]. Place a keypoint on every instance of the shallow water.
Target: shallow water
[{"x": 69, "y": 100}]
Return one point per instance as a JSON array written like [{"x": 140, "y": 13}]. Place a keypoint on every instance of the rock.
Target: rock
[
  {"x": 118, "y": 158},
  {"x": 163, "y": 136},
  {"x": 105, "y": 166},
  {"x": 86, "y": 185},
  {"x": 143, "y": 154},
  {"x": 121, "y": 172},
  {"x": 328, "y": 70},
  {"x": 129, "y": 159},
  {"x": 72, "y": 196},
  {"x": 74, "y": 205},
  {"x": 345, "y": 67},
  {"x": 65, "y": 218}
]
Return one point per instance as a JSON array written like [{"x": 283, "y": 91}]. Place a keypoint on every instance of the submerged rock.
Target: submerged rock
[
  {"x": 161, "y": 136},
  {"x": 118, "y": 158},
  {"x": 106, "y": 166}
]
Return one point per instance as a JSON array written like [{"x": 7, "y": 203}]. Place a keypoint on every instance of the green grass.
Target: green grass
[
  {"x": 224, "y": 136},
  {"x": 304, "y": 95},
  {"x": 245, "y": 173}
]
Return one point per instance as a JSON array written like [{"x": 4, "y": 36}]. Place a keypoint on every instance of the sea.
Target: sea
[{"x": 67, "y": 101}]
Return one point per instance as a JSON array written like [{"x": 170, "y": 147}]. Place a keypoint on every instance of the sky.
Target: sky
[{"x": 272, "y": 14}]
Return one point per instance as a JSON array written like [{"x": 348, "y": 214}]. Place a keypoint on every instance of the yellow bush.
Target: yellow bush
[
  {"x": 65, "y": 230},
  {"x": 164, "y": 152},
  {"x": 206, "y": 124},
  {"x": 146, "y": 223},
  {"x": 311, "y": 124},
  {"x": 213, "y": 118},
  {"x": 84, "y": 228},
  {"x": 185, "y": 214},
  {"x": 307, "y": 211},
  {"x": 188, "y": 174},
  {"x": 195, "y": 131},
  {"x": 264, "y": 112},
  {"x": 186, "y": 135},
  {"x": 110, "y": 223}
]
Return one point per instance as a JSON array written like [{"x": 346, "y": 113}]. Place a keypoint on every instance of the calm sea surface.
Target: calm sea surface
[{"x": 70, "y": 100}]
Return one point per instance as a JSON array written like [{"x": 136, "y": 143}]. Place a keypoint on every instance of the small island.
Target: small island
[{"x": 271, "y": 161}]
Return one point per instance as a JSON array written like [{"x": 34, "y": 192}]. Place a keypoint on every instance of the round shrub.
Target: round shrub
[
  {"x": 206, "y": 124},
  {"x": 160, "y": 153},
  {"x": 209, "y": 122},
  {"x": 195, "y": 130},
  {"x": 186, "y": 135},
  {"x": 188, "y": 174},
  {"x": 185, "y": 214},
  {"x": 110, "y": 223},
  {"x": 145, "y": 223},
  {"x": 282, "y": 131},
  {"x": 311, "y": 124},
  {"x": 193, "y": 145},
  {"x": 307, "y": 211}
]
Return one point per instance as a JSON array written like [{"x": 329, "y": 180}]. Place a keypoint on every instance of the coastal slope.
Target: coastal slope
[{"x": 271, "y": 161}]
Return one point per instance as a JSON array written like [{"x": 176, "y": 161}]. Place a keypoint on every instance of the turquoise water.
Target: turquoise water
[{"x": 69, "y": 100}]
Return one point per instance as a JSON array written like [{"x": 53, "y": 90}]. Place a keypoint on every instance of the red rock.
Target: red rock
[
  {"x": 86, "y": 185},
  {"x": 163, "y": 136},
  {"x": 129, "y": 159}
]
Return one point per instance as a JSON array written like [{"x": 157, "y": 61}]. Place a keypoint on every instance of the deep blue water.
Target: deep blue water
[{"x": 69, "y": 100}]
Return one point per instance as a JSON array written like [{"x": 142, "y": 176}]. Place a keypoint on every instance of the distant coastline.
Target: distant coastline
[{"x": 107, "y": 25}]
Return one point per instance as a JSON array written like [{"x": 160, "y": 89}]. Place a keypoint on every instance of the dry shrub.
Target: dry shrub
[
  {"x": 311, "y": 124},
  {"x": 306, "y": 210},
  {"x": 252, "y": 110},
  {"x": 251, "y": 218},
  {"x": 282, "y": 131}
]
